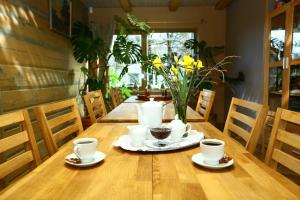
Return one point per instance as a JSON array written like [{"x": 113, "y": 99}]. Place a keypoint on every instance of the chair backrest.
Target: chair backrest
[
  {"x": 246, "y": 119},
  {"x": 205, "y": 101},
  {"x": 266, "y": 131},
  {"x": 95, "y": 105},
  {"x": 22, "y": 135},
  {"x": 116, "y": 97},
  {"x": 58, "y": 120},
  {"x": 280, "y": 136}
]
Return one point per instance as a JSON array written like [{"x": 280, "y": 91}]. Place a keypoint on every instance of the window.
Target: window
[
  {"x": 134, "y": 75},
  {"x": 158, "y": 43},
  {"x": 166, "y": 43}
]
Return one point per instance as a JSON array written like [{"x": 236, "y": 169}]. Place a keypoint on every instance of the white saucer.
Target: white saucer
[
  {"x": 99, "y": 156},
  {"x": 198, "y": 159}
]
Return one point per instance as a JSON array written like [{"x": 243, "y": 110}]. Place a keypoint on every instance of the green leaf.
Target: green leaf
[
  {"x": 123, "y": 72},
  {"x": 86, "y": 45},
  {"x": 142, "y": 26},
  {"x": 85, "y": 71},
  {"x": 125, "y": 51}
]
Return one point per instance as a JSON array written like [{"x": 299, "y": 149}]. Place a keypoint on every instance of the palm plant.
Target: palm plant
[
  {"x": 88, "y": 48},
  {"x": 125, "y": 51}
]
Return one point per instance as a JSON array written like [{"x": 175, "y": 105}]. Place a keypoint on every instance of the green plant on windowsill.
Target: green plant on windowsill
[{"x": 114, "y": 82}]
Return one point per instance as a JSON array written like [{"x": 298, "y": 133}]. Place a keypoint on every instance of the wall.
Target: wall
[
  {"x": 36, "y": 64},
  {"x": 208, "y": 22},
  {"x": 245, "y": 38}
]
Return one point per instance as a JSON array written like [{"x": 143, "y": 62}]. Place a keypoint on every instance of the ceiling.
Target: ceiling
[{"x": 147, "y": 3}]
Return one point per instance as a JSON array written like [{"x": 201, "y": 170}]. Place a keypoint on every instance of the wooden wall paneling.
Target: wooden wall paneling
[
  {"x": 36, "y": 64},
  {"x": 15, "y": 99},
  {"x": 14, "y": 77}
]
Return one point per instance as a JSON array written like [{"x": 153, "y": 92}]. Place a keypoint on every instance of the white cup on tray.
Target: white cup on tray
[{"x": 137, "y": 134}]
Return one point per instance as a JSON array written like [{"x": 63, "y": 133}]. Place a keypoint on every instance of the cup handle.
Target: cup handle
[
  {"x": 188, "y": 127},
  {"x": 77, "y": 151}
]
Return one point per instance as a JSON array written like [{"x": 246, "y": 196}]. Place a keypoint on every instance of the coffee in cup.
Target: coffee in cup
[
  {"x": 212, "y": 150},
  {"x": 85, "y": 149}
]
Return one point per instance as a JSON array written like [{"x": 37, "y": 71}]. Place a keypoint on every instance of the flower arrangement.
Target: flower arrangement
[{"x": 183, "y": 75}]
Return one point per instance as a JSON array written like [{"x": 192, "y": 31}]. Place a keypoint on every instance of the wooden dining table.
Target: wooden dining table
[
  {"x": 135, "y": 99},
  {"x": 159, "y": 176},
  {"x": 127, "y": 113}
]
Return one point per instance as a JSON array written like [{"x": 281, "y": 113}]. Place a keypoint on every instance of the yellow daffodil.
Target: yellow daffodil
[
  {"x": 157, "y": 62},
  {"x": 188, "y": 60},
  {"x": 174, "y": 70},
  {"x": 176, "y": 59},
  {"x": 188, "y": 70},
  {"x": 199, "y": 64}
]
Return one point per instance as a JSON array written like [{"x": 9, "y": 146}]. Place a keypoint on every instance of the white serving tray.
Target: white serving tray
[{"x": 192, "y": 139}]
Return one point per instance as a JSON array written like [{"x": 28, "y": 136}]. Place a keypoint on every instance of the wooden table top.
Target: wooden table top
[
  {"x": 134, "y": 99},
  {"x": 159, "y": 176},
  {"x": 127, "y": 113}
]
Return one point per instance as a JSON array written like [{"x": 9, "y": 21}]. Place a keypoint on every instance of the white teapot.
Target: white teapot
[
  {"x": 178, "y": 129},
  {"x": 150, "y": 113}
]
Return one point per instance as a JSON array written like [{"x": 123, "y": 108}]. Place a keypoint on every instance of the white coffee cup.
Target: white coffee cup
[
  {"x": 179, "y": 131},
  {"x": 212, "y": 150},
  {"x": 137, "y": 134},
  {"x": 85, "y": 148}
]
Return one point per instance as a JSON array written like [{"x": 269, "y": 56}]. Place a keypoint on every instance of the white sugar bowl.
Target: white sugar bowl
[{"x": 178, "y": 129}]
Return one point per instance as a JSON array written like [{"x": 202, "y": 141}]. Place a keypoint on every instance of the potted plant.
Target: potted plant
[
  {"x": 183, "y": 75},
  {"x": 90, "y": 48}
]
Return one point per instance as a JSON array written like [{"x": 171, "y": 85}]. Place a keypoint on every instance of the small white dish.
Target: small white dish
[
  {"x": 198, "y": 159},
  {"x": 98, "y": 157}
]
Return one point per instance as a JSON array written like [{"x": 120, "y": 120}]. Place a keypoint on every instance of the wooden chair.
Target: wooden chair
[
  {"x": 22, "y": 134},
  {"x": 281, "y": 136},
  {"x": 266, "y": 132},
  {"x": 58, "y": 121},
  {"x": 205, "y": 101},
  {"x": 240, "y": 122},
  {"x": 116, "y": 97},
  {"x": 95, "y": 105}
]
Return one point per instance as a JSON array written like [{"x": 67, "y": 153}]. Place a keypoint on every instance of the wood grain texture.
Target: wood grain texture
[
  {"x": 161, "y": 176},
  {"x": 29, "y": 154},
  {"x": 127, "y": 113},
  {"x": 237, "y": 119},
  {"x": 95, "y": 105},
  {"x": 205, "y": 102},
  {"x": 34, "y": 59},
  {"x": 62, "y": 115},
  {"x": 116, "y": 97},
  {"x": 281, "y": 136}
]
